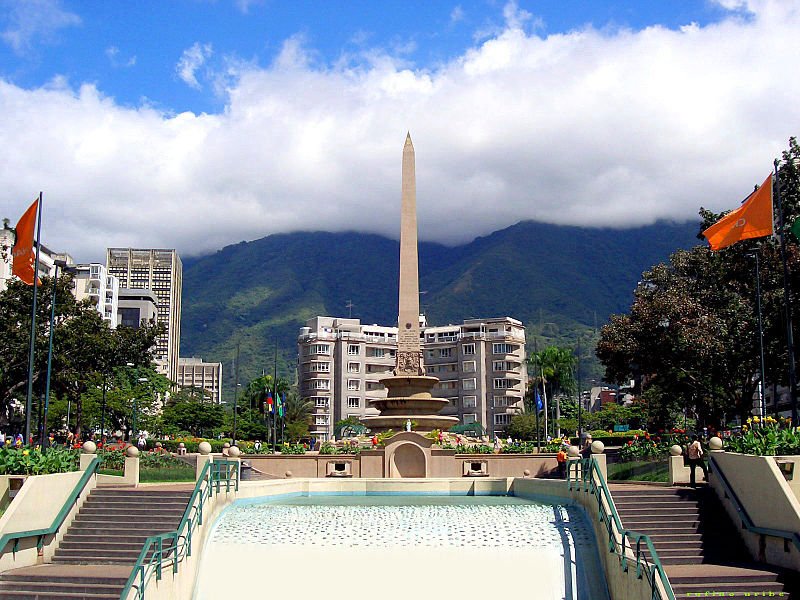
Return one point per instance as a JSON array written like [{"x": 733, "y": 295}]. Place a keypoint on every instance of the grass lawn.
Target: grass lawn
[
  {"x": 158, "y": 475},
  {"x": 639, "y": 470}
]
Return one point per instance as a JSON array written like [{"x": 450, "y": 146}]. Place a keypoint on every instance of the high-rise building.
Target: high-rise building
[
  {"x": 480, "y": 365},
  {"x": 93, "y": 282},
  {"x": 161, "y": 272},
  {"x": 194, "y": 373}
]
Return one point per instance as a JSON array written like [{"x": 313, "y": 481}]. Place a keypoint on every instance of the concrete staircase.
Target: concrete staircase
[
  {"x": 696, "y": 542},
  {"x": 98, "y": 551}
]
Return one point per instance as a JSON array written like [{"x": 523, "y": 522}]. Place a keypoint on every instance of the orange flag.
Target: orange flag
[
  {"x": 752, "y": 219},
  {"x": 23, "y": 252}
]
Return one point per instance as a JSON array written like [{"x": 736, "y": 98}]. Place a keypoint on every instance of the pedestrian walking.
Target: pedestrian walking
[{"x": 695, "y": 456}]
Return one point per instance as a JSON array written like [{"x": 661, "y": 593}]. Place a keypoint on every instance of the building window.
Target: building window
[
  {"x": 353, "y": 385},
  {"x": 469, "y": 402},
  {"x": 448, "y": 385},
  {"x": 353, "y": 349},
  {"x": 468, "y": 384},
  {"x": 468, "y": 349},
  {"x": 354, "y": 402},
  {"x": 503, "y": 365},
  {"x": 320, "y": 367},
  {"x": 376, "y": 352},
  {"x": 470, "y": 418},
  {"x": 320, "y": 349},
  {"x": 503, "y": 348},
  {"x": 468, "y": 366},
  {"x": 320, "y": 419},
  {"x": 320, "y": 384},
  {"x": 353, "y": 367},
  {"x": 445, "y": 352},
  {"x": 320, "y": 402},
  {"x": 501, "y": 401},
  {"x": 504, "y": 384},
  {"x": 502, "y": 419}
]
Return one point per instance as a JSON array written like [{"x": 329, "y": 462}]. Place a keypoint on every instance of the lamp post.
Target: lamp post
[
  {"x": 762, "y": 407},
  {"x": 136, "y": 408}
]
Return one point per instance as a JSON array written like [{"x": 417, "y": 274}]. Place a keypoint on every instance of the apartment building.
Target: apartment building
[
  {"x": 92, "y": 281},
  {"x": 160, "y": 271},
  {"x": 47, "y": 257},
  {"x": 480, "y": 365},
  {"x": 196, "y": 373}
]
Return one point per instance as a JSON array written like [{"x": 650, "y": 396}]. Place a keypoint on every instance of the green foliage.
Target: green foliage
[
  {"x": 187, "y": 414},
  {"x": 292, "y": 449},
  {"x": 33, "y": 461},
  {"x": 771, "y": 437},
  {"x": 523, "y": 427}
]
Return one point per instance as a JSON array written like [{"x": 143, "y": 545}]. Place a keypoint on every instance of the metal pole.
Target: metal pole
[
  {"x": 538, "y": 435},
  {"x": 787, "y": 299},
  {"x": 580, "y": 396},
  {"x": 762, "y": 408},
  {"x": 275, "y": 400},
  {"x": 103, "y": 412},
  {"x": 29, "y": 399},
  {"x": 44, "y": 436},
  {"x": 236, "y": 397}
]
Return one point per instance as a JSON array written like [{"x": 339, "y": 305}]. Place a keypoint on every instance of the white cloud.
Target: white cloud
[
  {"x": 191, "y": 60},
  {"x": 591, "y": 127},
  {"x": 457, "y": 14},
  {"x": 113, "y": 55},
  {"x": 35, "y": 20}
]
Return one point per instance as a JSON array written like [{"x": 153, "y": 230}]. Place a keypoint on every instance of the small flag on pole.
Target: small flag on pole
[
  {"x": 24, "y": 255},
  {"x": 753, "y": 219},
  {"x": 269, "y": 403},
  {"x": 539, "y": 403},
  {"x": 280, "y": 406}
]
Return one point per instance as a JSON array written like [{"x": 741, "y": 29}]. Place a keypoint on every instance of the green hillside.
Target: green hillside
[{"x": 561, "y": 282}]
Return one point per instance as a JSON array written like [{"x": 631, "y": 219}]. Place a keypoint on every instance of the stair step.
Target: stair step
[
  {"x": 108, "y": 545},
  {"x": 15, "y": 595},
  {"x": 86, "y": 587}
]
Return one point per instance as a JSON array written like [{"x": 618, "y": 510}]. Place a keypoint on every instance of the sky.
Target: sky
[{"x": 194, "y": 124}]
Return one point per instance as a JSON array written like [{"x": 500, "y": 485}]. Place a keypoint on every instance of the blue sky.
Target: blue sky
[{"x": 195, "y": 124}]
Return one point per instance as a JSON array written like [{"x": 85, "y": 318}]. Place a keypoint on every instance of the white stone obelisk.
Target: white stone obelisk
[{"x": 409, "y": 353}]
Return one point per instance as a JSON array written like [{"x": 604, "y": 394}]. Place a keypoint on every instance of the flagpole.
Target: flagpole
[
  {"x": 275, "y": 400},
  {"x": 44, "y": 437},
  {"x": 787, "y": 302},
  {"x": 29, "y": 398}
]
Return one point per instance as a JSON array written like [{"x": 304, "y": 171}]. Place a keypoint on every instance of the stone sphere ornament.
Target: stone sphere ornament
[
  {"x": 288, "y": 474},
  {"x": 89, "y": 447},
  {"x": 715, "y": 443},
  {"x": 204, "y": 448},
  {"x": 234, "y": 452},
  {"x": 131, "y": 451},
  {"x": 226, "y": 445},
  {"x": 526, "y": 473},
  {"x": 675, "y": 450},
  {"x": 598, "y": 447},
  {"x": 573, "y": 452}
]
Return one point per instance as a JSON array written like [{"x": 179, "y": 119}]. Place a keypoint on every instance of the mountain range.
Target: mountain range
[{"x": 562, "y": 282}]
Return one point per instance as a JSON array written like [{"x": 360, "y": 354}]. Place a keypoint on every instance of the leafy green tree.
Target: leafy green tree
[
  {"x": 85, "y": 349},
  {"x": 188, "y": 414},
  {"x": 523, "y": 427}
]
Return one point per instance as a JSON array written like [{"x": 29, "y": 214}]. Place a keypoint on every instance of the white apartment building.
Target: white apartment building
[
  {"x": 160, "y": 271},
  {"x": 195, "y": 373},
  {"x": 93, "y": 282},
  {"x": 480, "y": 365}
]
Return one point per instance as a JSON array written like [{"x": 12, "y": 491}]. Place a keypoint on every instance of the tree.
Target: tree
[
  {"x": 190, "y": 414},
  {"x": 85, "y": 349},
  {"x": 554, "y": 367},
  {"x": 297, "y": 416},
  {"x": 691, "y": 331}
]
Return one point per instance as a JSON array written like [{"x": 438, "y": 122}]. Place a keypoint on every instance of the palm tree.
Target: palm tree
[
  {"x": 554, "y": 367},
  {"x": 297, "y": 413}
]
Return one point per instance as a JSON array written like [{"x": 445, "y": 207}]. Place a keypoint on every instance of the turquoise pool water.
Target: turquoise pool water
[{"x": 542, "y": 550}]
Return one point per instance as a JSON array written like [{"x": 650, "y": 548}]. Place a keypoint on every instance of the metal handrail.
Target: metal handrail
[
  {"x": 214, "y": 474},
  {"x": 747, "y": 521},
  {"x": 16, "y": 536},
  {"x": 584, "y": 475}
]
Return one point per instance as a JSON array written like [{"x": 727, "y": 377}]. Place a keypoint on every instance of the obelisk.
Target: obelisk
[
  {"x": 408, "y": 392},
  {"x": 409, "y": 353}
]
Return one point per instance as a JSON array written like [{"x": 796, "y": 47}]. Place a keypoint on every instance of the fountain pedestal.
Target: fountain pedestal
[{"x": 409, "y": 399}]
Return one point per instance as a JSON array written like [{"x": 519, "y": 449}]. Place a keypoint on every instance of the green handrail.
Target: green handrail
[
  {"x": 161, "y": 554},
  {"x": 16, "y": 536},
  {"x": 584, "y": 475},
  {"x": 748, "y": 522}
]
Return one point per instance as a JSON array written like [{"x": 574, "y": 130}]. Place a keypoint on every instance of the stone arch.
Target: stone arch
[{"x": 408, "y": 460}]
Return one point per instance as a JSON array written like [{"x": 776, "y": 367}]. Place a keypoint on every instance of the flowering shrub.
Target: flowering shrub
[
  {"x": 292, "y": 449},
  {"x": 34, "y": 461},
  {"x": 767, "y": 437}
]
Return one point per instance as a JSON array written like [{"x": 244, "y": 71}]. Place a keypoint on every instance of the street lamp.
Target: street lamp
[{"x": 136, "y": 407}]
